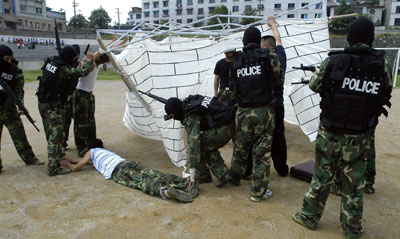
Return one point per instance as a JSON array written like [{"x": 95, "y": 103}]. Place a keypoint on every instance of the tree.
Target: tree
[
  {"x": 249, "y": 11},
  {"x": 99, "y": 18},
  {"x": 218, "y": 10},
  {"x": 78, "y": 21},
  {"x": 341, "y": 25}
]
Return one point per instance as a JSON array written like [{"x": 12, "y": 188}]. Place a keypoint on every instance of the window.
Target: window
[
  {"x": 146, "y": 14},
  {"x": 304, "y": 4},
  {"x": 165, "y": 13},
  {"x": 44, "y": 26},
  {"x": 290, "y": 16},
  {"x": 156, "y": 13},
  {"x": 235, "y": 9},
  {"x": 30, "y": 24},
  {"x": 200, "y": 1},
  {"x": 189, "y": 2},
  {"x": 277, "y": 6},
  {"x": 189, "y": 20},
  {"x": 39, "y": 10},
  {"x": 304, "y": 16},
  {"x": 37, "y": 26},
  {"x": 6, "y": 11},
  {"x": 155, "y": 4},
  {"x": 189, "y": 11},
  {"x": 146, "y": 5},
  {"x": 178, "y": 2},
  {"x": 398, "y": 9},
  {"x": 290, "y": 5},
  {"x": 179, "y": 12},
  {"x": 223, "y": 1},
  {"x": 179, "y": 20},
  {"x": 49, "y": 27},
  {"x": 212, "y": 1},
  {"x": 260, "y": 7},
  {"x": 138, "y": 16},
  {"x": 20, "y": 22},
  {"x": 156, "y": 22},
  {"x": 397, "y": 21},
  {"x": 318, "y": 6},
  {"x": 318, "y": 15},
  {"x": 247, "y": 7},
  {"x": 210, "y": 10},
  {"x": 22, "y": 8},
  {"x": 165, "y": 4},
  {"x": 26, "y": 23},
  {"x": 200, "y": 11}
]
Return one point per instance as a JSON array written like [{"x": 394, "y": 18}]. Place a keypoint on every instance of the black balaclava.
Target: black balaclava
[
  {"x": 174, "y": 106},
  {"x": 361, "y": 30},
  {"x": 5, "y": 51},
  {"x": 77, "y": 49},
  {"x": 251, "y": 35},
  {"x": 68, "y": 54}
]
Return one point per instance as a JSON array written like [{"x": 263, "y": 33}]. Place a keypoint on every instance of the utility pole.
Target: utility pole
[
  {"x": 119, "y": 26},
  {"x": 75, "y": 4}
]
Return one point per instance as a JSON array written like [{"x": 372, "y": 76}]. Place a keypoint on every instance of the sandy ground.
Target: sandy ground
[{"x": 84, "y": 205}]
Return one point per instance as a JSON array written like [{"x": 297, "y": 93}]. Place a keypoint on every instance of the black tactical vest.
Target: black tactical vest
[
  {"x": 252, "y": 77},
  {"x": 51, "y": 88},
  {"x": 353, "y": 90},
  {"x": 213, "y": 112},
  {"x": 8, "y": 75}
]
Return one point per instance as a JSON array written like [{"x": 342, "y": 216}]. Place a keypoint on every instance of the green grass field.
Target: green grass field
[{"x": 103, "y": 75}]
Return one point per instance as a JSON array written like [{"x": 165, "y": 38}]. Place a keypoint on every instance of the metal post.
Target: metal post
[
  {"x": 397, "y": 68},
  {"x": 128, "y": 83}
]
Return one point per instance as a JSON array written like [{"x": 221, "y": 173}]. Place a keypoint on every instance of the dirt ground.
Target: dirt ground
[{"x": 84, "y": 205}]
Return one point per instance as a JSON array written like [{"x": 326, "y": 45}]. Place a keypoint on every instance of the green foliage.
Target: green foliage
[
  {"x": 342, "y": 25},
  {"x": 78, "y": 21},
  {"x": 249, "y": 11},
  {"x": 99, "y": 18},
  {"x": 218, "y": 10}
]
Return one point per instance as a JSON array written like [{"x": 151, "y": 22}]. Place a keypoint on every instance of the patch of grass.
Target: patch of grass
[
  {"x": 398, "y": 80},
  {"x": 103, "y": 75}
]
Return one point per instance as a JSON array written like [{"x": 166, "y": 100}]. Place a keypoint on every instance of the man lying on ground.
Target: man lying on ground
[{"x": 132, "y": 174}]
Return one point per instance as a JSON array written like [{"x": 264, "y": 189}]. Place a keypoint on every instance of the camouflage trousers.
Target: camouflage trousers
[
  {"x": 137, "y": 175},
  {"x": 254, "y": 129},
  {"x": 84, "y": 121},
  {"x": 370, "y": 171},
  {"x": 344, "y": 153},
  {"x": 211, "y": 140},
  {"x": 52, "y": 117},
  {"x": 67, "y": 119},
  {"x": 225, "y": 96},
  {"x": 13, "y": 122}
]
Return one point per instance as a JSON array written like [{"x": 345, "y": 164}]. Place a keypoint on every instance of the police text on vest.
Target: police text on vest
[
  {"x": 356, "y": 85},
  {"x": 249, "y": 71},
  {"x": 51, "y": 68},
  {"x": 206, "y": 101},
  {"x": 6, "y": 76}
]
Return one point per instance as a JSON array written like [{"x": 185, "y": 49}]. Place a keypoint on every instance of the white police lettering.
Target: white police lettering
[
  {"x": 367, "y": 86},
  {"x": 206, "y": 101},
  {"x": 249, "y": 71},
  {"x": 6, "y": 76},
  {"x": 51, "y": 68}
]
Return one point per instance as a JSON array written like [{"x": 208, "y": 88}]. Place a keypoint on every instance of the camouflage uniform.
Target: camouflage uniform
[
  {"x": 203, "y": 147},
  {"x": 344, "y": 154},
  {"x": 138, "y": 176},
  {"x": 13, "y": 122},
  {"x": 67, "y": 115},
  {"x": 254, "y": 128},
  {"x": 84, "y": 121},
  {"x": 52, "y": 114}
]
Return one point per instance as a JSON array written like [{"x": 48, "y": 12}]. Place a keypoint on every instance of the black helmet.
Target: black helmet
[{"x": 174, "y": 106}]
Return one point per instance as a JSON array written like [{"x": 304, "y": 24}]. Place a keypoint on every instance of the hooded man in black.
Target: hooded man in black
[
  {"x": 54, "y": 88},
  {"x": 9, "y": 115}
]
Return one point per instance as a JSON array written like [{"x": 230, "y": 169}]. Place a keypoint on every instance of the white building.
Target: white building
[
  {"x": 187, "y": 11},
  {"x": 394, "y": 19}
]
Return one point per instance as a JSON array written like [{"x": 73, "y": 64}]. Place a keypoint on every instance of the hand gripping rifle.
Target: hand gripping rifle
[
  {"x": 304, "y": 68},
  {"x": 162, "y": 100},
  {"x": 11, "y": 98}
]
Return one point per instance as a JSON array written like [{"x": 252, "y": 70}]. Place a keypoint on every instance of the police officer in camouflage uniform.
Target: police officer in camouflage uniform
[
  {"x": 255, "y": 71},
  {"x": 58, "y": 77},
  {"x": 354, "y": 85},
  {"x": 209, "y": 124},
  {"x": 13, "y": 76}
]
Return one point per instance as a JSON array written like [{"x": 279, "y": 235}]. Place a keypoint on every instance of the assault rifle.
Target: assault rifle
[
  {"x": 11, "y": 98},
  {"x": 162, "y": 100},
  {"x": 304, "y": 68},
  {"x": 58, "y": 43},
  {"x": 302, "y": 81}
]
